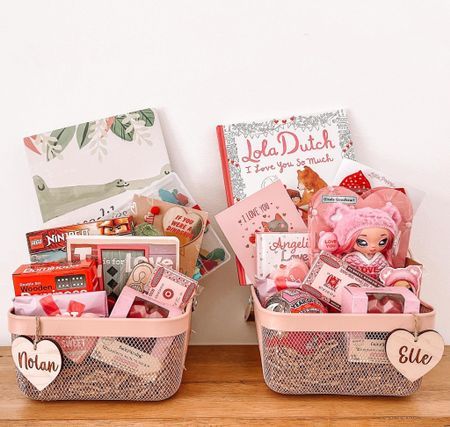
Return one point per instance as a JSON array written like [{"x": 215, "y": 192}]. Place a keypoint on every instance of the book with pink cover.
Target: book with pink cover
[{"x": 268, "y": 210}]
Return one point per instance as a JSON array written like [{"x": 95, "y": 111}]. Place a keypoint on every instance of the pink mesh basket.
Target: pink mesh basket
[
  {"x": 96, "y": 356},
  {"x": 333, "y": 353}
]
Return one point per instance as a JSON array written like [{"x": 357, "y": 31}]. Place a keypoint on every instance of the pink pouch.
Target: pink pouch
[
  {"x": 73, "y": 305},
  {"x": 267, "y": 287}
]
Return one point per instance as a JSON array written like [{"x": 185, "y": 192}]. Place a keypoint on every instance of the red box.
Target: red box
[{"x": 56, "y": 277}]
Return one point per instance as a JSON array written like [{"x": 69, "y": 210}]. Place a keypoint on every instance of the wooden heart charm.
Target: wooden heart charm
[
  {"x": 187, "y": 226},
  {"x": 40, "y": 366},
  {"x": 414, "y": 358}
]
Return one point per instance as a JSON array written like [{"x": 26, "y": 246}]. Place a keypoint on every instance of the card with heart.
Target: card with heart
[
  {"x": 156, "y": 217},
  {"x": 268, "y": 210},
  {"x": 413, "y": 355},
  {"x": 40, "y": 364}
]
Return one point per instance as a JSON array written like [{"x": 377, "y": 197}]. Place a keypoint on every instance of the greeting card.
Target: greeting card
[
  {"x": 268, "y": 210},
  {"x": 155, "y": 217},
  {"x": 276, "y": 249},
  {"x": 361, "y": 178},
  {"x": 304, "y": 152},
  {"x": 83, "y": 172}
]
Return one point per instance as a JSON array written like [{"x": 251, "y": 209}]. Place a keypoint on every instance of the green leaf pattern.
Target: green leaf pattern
[
  {"x": 84, "y": 134},
  {"x": 58, "y": 141},
  {"x": 128, "y": 127},
  {"x": 121, "y": 129}
]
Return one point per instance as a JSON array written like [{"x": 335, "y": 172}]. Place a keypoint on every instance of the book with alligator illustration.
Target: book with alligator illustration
[{"x": 82, "y": 173}]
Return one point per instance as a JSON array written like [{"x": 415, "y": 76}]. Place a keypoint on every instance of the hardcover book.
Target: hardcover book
[
  {"x": 304, "y": 152},
  {"x": 82, "y": 173}
]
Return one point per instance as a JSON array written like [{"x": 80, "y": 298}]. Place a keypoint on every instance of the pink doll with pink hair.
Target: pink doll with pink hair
[{"x": 363, "y": 236}]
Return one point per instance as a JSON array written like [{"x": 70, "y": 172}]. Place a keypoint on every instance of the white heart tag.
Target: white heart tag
[
  {"x": 40, "y": 366},
  {"x": 414, "y": 358}
]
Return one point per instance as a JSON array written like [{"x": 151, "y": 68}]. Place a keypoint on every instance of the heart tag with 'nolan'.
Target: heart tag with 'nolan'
[
  {"x": 39, "y": 363},
  {"x": 413, "y": 355}
]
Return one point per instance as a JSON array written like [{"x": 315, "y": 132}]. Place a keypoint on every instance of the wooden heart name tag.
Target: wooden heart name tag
[
  {"x": 414, "y": 356},
  {"x": 41, "y": 364}
]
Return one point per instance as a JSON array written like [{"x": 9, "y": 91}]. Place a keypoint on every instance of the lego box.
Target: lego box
[{"x": 51, "y": 245}]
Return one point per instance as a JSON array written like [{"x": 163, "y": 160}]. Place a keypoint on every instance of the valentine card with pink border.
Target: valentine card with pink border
[{"x": 267, "y": 210}]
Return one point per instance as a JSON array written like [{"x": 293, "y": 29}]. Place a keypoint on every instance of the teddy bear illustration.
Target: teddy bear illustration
[{"x": 309, "y": 182}]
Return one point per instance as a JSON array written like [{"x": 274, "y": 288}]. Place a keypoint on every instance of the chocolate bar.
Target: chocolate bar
[
  {"x": 50, "y": 245},
  {"x": 56, "y": 277}
]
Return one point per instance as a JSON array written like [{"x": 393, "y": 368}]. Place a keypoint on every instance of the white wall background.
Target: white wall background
[{"x": 208, "y": 62}]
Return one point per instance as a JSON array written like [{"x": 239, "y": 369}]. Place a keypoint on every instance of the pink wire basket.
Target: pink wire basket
[
  {"x": 333, "y": 353},
  {"x": 99, "y": 356}
]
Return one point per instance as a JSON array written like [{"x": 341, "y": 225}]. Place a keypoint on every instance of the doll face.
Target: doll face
[{"x": 371, "y": 240}]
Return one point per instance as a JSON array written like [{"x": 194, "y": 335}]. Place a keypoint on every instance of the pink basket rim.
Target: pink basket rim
[
  {"x": 100, "y": 326},
  {"x": 336, "y": 322}
]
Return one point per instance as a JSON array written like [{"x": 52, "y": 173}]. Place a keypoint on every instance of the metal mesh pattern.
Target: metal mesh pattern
[
  {"x": 95, "y": 368},
  {"x": 348, "y": 363}
]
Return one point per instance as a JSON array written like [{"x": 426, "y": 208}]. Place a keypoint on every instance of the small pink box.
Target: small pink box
[
  {"x": 132, "y": 303},
  {"x": 170, "y": 288},
  {"x": 393, "y": 300}
]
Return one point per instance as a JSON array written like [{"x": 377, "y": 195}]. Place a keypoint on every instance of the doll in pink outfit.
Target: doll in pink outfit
[{"x": 364, "y": 236}]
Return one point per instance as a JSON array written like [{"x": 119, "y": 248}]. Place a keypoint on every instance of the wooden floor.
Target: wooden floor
[{"x": 223, "y": 385}]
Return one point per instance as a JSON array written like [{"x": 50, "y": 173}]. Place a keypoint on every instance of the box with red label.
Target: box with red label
[
  {"x": 328, "y": 277},
  {"x": 56, "y": 277},
  {"x": 50, "y": 245},
  {"x": 387, "y": 300}
]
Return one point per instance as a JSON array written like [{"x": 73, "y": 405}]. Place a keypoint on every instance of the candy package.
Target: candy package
[
  {"x": 75, "y": 305},
  {"x": 132, "y": 303}
]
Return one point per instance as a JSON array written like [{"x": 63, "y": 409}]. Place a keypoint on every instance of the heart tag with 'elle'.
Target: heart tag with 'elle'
[
  {"x": 40, "y": 362},
  {"x": 413, "y": 355}
]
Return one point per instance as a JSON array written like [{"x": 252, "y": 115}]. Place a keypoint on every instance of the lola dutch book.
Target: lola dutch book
[
  {"x": 304, "y": 152},
  {"x": 269, "y": 210}
]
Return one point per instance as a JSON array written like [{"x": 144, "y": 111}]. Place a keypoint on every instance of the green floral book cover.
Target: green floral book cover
[{"x": 83, "y": 172}]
